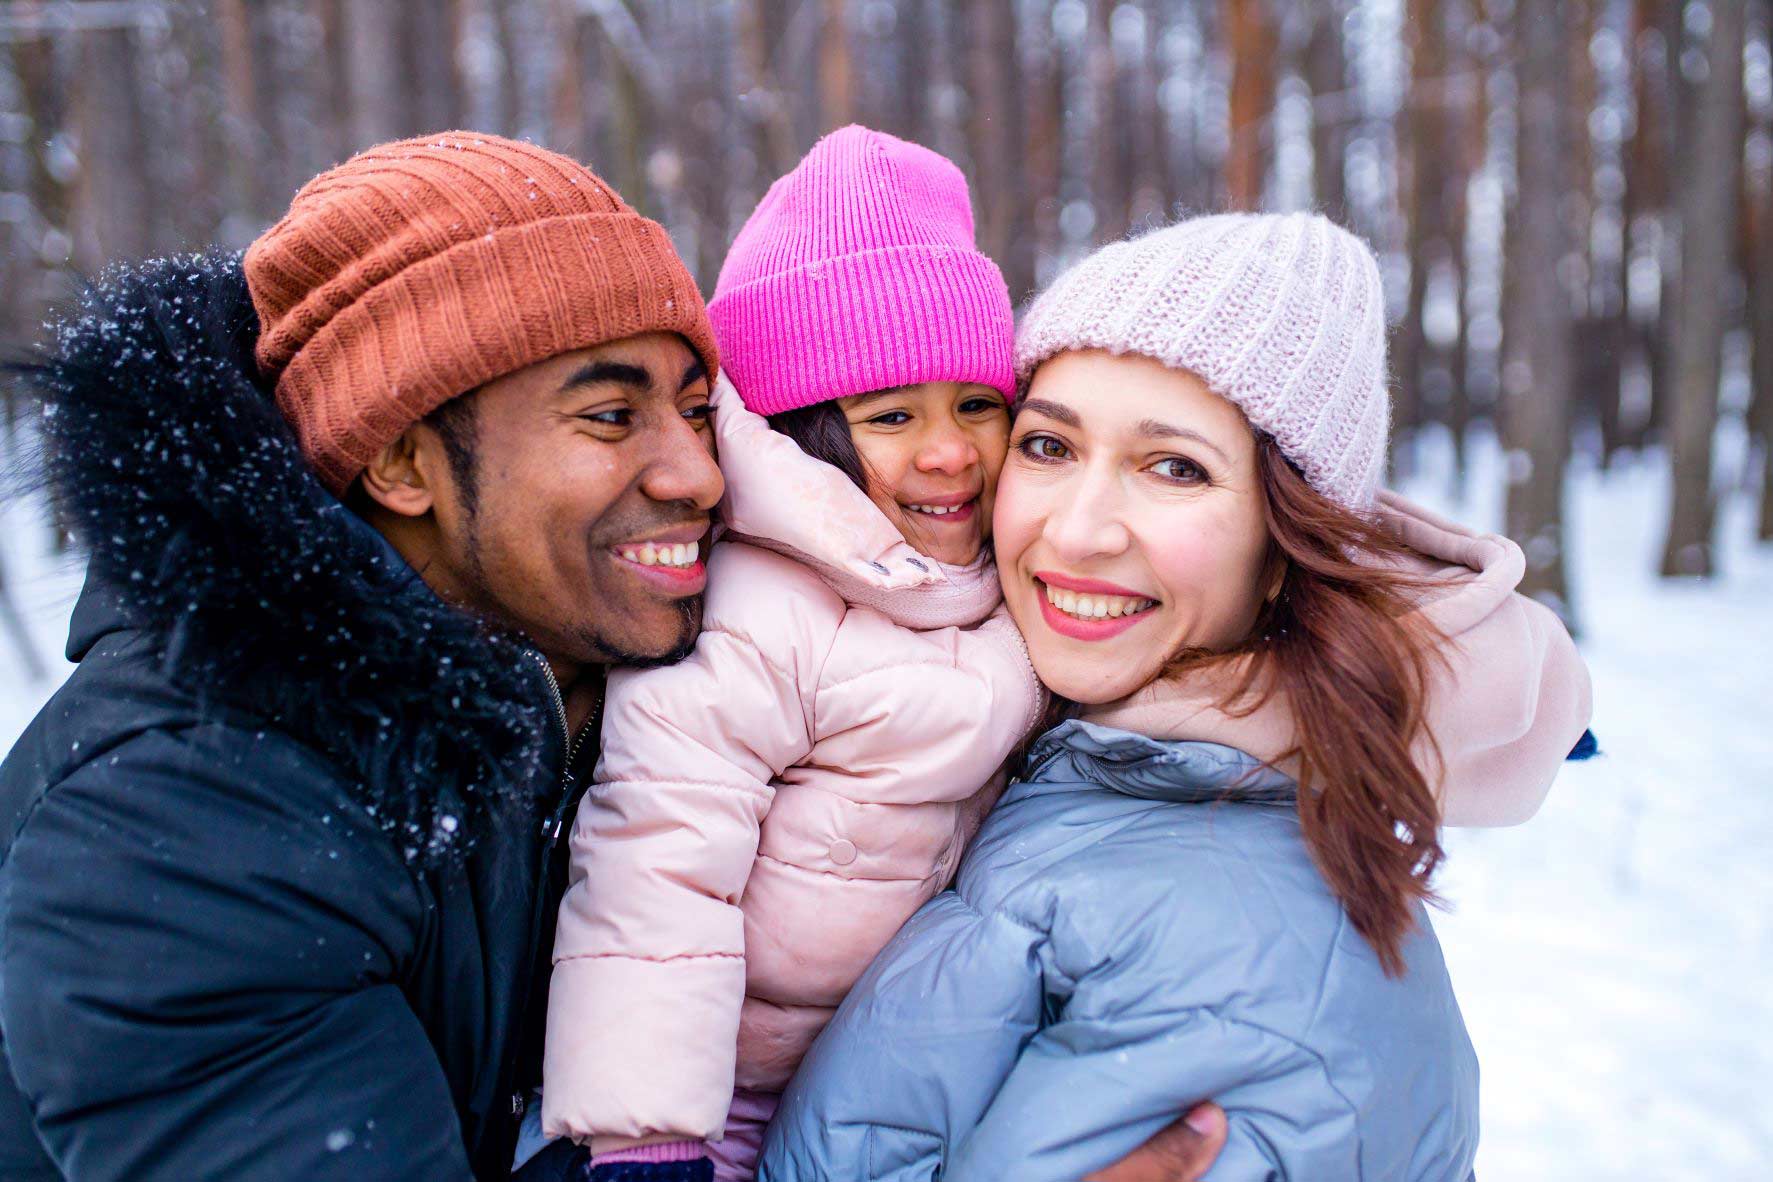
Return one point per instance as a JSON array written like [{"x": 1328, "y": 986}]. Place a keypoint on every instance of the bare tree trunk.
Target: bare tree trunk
[
  {"x": 1044, "y": 168},
  {"x": 627, "y": 115},
  {"x": 370, "y": 32},
  {"x": 912, "y": 114},
  {"x": 1708, "y": 200},
  {"x": 1642, "y": 202},
  {"x": 765, "y": 106},
  {"x": 1428, "y": 196},
  {"x": 1599, "y": 369},
  {"x": 114, "y": 202},
  {"x": 995, "y": 131},
  {"x": 1252, "y": 44},
  {"x": 836, "y": 81},
  {"x": 1760, "y": 302},
  {"x": 1326, "y": 73},
  {"x": 1147, "y": 157},
  {"x": 1536, "y": 340},
  {"x": 1107, "y": 179},
  {"x": 1678, "y": 109}
]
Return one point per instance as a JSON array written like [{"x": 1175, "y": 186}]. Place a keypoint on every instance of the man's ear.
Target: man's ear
[{"x": 402, "y": 477}]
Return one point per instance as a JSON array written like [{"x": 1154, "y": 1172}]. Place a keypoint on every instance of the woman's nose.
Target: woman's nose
[{"x": 1084, "y": 522}]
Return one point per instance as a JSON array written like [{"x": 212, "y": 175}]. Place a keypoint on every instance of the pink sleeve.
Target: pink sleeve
[
  {"x": 1506, "y": 707},
  {"x": 649, "y": 976}
]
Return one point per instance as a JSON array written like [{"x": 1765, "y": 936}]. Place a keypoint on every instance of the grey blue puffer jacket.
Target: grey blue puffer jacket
[{"x": 1138, "y": 926}]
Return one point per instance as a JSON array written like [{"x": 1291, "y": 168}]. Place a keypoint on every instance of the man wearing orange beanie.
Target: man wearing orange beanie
[{"x": 368, "y": 513}]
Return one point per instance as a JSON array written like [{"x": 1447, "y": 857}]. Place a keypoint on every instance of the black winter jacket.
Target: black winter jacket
[{"x": 279, "y": 870}]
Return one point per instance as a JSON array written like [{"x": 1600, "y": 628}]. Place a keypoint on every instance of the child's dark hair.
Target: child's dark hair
[{"x": 823, "y": 433}]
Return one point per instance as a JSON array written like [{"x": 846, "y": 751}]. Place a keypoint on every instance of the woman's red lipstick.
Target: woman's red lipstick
[{"x": 1074, "y": 627}]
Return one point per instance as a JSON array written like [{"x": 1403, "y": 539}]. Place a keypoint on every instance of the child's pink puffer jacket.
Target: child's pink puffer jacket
[{"x": 769, "y": 811}]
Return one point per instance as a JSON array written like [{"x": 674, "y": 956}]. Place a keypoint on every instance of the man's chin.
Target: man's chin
[{"x": 669, "y": 635}]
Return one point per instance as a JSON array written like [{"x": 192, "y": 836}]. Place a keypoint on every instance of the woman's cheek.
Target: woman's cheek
[
  {"x": 1007, "y": 517},
  {"x": 1206, "y": 570}
]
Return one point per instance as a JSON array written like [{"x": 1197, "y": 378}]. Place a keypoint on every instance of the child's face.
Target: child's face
[{"x": 932, "y": 453}]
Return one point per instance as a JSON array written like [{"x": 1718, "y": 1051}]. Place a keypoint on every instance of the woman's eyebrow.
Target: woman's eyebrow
[
  {"x": 1052, "y": 410},
  {"x": 1153, "y": 429}
]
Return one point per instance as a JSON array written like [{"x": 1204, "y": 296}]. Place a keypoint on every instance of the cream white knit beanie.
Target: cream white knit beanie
[{"x": 1283, "y": 314}]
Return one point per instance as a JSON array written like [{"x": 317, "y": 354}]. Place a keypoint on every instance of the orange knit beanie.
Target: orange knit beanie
[{"x": 416, "y": 271}]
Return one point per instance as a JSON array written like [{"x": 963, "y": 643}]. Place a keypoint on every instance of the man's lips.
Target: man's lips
[{"x": 688, "y": 578}]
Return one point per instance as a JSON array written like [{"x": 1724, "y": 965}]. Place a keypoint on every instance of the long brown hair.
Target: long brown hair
[{"x": 1341, "y": 644}]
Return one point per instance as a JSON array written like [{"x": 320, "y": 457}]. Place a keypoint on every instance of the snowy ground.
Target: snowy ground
[{"x": 1615, "y": 956}]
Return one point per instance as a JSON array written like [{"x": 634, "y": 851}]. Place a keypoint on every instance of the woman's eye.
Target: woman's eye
[
  {"x": 892, "y": 418},
  {"x": 1043, "y": 447},
  {"x": 1180, "y": 470}
]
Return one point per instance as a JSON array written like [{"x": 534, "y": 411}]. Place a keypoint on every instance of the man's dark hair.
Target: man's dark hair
[
  {"x": 823, "y": 433},
  {"x": 455, "y": 424}
]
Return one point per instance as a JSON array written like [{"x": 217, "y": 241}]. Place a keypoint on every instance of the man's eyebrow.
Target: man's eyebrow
[
  {"x": 1153, "y": 429},
  {"x": 695, "y": 373},
  {"x": 1053, "y": 410},
  {"x": 621, "y": 373}
]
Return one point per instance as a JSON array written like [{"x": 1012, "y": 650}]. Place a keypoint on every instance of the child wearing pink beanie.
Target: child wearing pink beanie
[{"x": 770, "y": 810}]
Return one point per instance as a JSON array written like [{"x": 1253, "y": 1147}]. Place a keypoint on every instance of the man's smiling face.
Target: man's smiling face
[{"x": 570, "y": 500}]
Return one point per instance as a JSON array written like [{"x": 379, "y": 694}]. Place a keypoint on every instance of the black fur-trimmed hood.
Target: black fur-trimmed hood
[{"x": 207, "y": 529}]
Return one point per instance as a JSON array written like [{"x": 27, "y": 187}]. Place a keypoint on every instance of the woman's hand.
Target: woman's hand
[{"x": 1180, "y": 1152}]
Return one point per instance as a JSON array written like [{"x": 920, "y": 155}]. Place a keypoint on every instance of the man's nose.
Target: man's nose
[{"x": 683, "y": 468}]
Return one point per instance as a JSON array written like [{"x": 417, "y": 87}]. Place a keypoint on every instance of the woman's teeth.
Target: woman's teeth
[
  {"x": 1096, "y": 607},
  {"x": 938, "y": 510},
  {"x": 663, "y": 554}
]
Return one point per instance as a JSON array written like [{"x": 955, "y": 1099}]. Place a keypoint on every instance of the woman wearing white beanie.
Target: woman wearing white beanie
[{"x": 1279, "y": 682}]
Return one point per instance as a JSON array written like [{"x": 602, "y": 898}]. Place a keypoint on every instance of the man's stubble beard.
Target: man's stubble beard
[{"x": 689, "y": 619}]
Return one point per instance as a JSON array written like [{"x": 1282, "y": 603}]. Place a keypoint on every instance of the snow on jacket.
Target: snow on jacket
[
  {"x": 1506, "y": 701},
  {"x": 1138, "y": 926},
  {"x": 769, "y": 811},
  {"x": 224, "y": 952}
]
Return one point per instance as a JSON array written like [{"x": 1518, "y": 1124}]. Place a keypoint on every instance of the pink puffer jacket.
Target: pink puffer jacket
[{"x": 768, "y": 812}]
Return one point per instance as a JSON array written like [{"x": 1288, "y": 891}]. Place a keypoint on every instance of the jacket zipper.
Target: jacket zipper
[{"x": 571, "y": 745}]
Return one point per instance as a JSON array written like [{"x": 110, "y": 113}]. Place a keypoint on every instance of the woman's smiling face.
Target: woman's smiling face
[
  {"x": 1129, "y": 523},
  {"x": 931, "y": 454}
]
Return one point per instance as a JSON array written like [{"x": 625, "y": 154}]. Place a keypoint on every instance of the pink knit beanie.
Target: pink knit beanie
[
  {"x": 857, "y": 272},
  {"x": 1282, "y": 314}
]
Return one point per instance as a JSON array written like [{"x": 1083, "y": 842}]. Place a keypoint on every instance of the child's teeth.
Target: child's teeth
[{"x": 936, "y": 510}]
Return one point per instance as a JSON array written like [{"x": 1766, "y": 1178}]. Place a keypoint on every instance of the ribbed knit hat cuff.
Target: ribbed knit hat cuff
[
  {"x": 819, "y": 332},
  {"x": 1332, "y": 475},
  {"x": 502, "y": 301}
]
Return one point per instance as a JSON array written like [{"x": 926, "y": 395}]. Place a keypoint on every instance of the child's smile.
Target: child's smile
[{"x": 932, "y": 453}]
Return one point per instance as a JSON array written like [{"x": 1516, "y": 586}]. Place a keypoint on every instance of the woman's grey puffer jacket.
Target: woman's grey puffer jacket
[{"x": 1138, "y": 926}]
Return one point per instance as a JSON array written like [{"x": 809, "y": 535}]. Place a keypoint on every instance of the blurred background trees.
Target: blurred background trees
[{"x": 1572, "y": 199}]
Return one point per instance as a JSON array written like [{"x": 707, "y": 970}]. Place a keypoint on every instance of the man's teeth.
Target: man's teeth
[
  {"x": 1095, "y": 607},
  {"x": 663, "y": 554},
  {"x": 938, "y": 510}
]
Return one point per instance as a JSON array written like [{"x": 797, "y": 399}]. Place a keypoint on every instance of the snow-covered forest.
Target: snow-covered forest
[{"x": 1573, "y": 202}]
